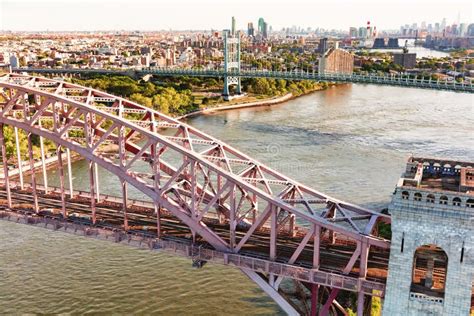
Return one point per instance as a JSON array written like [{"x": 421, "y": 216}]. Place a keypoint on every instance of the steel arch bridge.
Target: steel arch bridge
[
  {"x": 233, "y": 209},
  {"x": 403, "y": 80}
]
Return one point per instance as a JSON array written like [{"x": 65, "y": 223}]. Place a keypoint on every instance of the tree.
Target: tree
[
  {"x": 10, "y": 143},
  {"x": 140, "y": 99}
]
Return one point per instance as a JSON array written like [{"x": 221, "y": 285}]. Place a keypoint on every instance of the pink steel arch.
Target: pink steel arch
[{"x": 185, "y": 171}]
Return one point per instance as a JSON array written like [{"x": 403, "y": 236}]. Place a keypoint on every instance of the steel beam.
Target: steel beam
[
  {"x": 6, "y": 178},
  {"x": 33, "y": 173},
  {"x": 18, "y": 157},
  {"x": 61, "y": 179}
]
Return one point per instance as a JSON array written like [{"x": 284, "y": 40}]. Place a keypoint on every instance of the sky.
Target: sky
[{"x": 149, "y": 15}]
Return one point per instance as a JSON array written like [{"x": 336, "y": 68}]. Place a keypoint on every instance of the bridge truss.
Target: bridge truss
[
  {"x": 233, "y": 205},
  {"x": 401, "y": 80}
]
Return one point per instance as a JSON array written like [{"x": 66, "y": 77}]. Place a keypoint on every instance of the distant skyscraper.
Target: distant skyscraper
[
  {"x": 462, "y": 29},
  {"x": 265, "y": 30},
  {"x": 470, "y": 29},
  {"x": 250, "y": 29},
  {"x": 323, "y": 45},
  {"x": 443, "y": 24},
  {"x": 233, "y": 26},
  {"x": 261, "y": 23},
  {"x": 353, "y": 32}
]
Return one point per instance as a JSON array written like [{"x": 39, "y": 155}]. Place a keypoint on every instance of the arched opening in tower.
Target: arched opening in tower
[{"x": 430, "y": 265}]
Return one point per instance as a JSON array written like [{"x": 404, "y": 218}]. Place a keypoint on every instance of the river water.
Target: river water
[{"x": 350, "y": 141}]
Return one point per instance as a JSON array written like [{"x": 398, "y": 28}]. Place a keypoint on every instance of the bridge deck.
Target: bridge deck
[
  {"x": 391, "y": 80},
  {"x": 178, "y": 238}
]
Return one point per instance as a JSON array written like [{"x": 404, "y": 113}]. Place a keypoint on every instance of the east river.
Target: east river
[{"x": 349, "y": 141}]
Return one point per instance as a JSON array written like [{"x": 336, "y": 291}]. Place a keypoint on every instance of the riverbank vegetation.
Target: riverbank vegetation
[{"x": 181, "y": 95}]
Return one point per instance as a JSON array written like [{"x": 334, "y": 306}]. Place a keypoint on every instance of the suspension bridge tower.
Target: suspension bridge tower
[
  {"x": 431, "y": 267},
  {"x": 231, "y": 61}
]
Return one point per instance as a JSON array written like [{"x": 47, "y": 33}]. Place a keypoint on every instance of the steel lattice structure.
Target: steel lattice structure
[
  {"x": 389, "y": 80},
  {"x": 194, "y": 176}
]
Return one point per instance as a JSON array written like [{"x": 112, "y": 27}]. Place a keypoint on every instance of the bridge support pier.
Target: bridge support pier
[{"x": 6, "y": 179}]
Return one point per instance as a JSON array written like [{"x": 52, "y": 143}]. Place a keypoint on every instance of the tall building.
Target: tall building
[
  {"x": 462, "y": 29},
  {"x": 250, "y": 29},
  {"x": 406, "y": 60},
  {"x": 233, "y": 26},
  {"x": 336, "y": 61},
  {"x": 353, "y": 32},
  {"x": 470, "y": 30},
  {"x": 261, "y": 25},
  {"x": 265, "y": 30},
  {"x": 323, "y": 45}
]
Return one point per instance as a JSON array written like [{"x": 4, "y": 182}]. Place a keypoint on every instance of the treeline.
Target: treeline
[
  {"x": 273, "y": 87},
  {"x": 10, "y": 145},
  {"x": 174, "y": 95},
  {"x": 167, "y": 98}
]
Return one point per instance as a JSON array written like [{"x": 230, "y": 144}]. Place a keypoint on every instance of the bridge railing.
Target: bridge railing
[{"x": 399, "y": 79}]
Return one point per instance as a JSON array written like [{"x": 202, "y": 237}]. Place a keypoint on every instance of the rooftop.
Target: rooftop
[{"x": 439, "y": 175}]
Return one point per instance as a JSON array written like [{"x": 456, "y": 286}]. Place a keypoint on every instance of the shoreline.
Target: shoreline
[
  {"x": 222, "y": 107},
  {"x": 265, "y": 102}
]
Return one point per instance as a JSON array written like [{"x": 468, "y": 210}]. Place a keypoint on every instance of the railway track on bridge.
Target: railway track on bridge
[{"x": 333, "y": 256}]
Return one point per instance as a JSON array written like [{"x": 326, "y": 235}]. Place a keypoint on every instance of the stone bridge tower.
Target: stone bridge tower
[{"x": 431, "y": 266}]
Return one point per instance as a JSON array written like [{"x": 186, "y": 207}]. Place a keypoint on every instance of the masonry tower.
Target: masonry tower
[
  {"x": 431, "y": 266},
  {"x": 231, "y": 61}
]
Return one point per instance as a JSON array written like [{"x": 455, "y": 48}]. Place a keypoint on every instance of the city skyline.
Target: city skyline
[{"x": 54, "y": 15}]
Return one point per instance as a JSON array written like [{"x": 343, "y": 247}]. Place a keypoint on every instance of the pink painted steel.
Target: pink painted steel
[
  {"x": 61, "y": 180},
  {"x": 33, "y": 172},
  {"x": 6, "y": 178},
  {"x": 314, "y": 299},
  {"x": 189, "y": 174}
]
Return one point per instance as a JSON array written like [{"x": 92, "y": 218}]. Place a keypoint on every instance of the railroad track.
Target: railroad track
[{"x": 332, "y": 257}]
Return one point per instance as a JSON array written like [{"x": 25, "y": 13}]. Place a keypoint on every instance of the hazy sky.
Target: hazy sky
[{"x": 53, "y": 15}]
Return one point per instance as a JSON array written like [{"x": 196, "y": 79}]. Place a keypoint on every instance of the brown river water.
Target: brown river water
[{"x": 349, "y": 141}]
